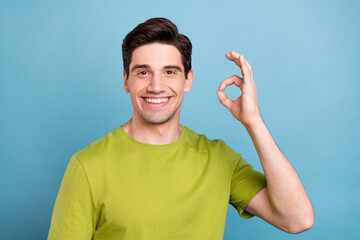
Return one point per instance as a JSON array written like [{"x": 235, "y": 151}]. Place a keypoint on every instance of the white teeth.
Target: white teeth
[{"x": 156, "y": 100}]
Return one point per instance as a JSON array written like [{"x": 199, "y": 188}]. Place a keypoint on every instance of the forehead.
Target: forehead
[{"x": 156, "y": 55}]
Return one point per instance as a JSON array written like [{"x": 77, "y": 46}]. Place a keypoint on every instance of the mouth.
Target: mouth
[{"x": 156, "y": 102}]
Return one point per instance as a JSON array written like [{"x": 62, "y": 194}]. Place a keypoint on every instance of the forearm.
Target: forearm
[
  {"x": 284, "y": 203},
  {"x": 287, "y": 195}
]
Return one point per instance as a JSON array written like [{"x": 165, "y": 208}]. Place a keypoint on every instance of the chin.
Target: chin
[{"x": 157, "y": 120}]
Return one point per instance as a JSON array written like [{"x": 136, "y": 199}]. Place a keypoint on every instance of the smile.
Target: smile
[{"x": 156, "y": 100}]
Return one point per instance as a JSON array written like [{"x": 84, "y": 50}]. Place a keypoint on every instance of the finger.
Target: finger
[
  {"x": 233, "y": 58},
  {"x": 249, "y": 67},
  {"x": 224, "y": 99},
  {"x": 240, "y": 60},
  {"x": 245, "y": 70},
  {"x": 229, "y": 81}
]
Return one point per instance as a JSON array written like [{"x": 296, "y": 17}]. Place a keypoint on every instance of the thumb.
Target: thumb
[{"x": 224, "y": 99}]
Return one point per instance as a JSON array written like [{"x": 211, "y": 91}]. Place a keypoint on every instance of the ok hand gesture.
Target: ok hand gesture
[{"x": 245, "y": 108}]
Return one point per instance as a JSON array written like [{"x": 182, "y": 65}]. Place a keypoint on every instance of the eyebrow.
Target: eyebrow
[
  {"x": 173, "y": 67},
  {"x": 137, "y": 66}
]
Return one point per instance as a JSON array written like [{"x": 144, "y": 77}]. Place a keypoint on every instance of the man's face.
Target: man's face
[{"x": 156, "y": 83}]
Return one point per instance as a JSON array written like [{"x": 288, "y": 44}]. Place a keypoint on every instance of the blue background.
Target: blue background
[{"x": 61, "y": 89}]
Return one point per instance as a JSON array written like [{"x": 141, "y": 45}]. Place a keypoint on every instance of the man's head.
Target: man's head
[
  {"x": 160, "y": 30},
  {"x": 157, "y": 71}
]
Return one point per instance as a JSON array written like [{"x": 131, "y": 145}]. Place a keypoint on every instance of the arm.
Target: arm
[
  {"x": 284, "y": 203},
  {"x": 74, "y": 214}
]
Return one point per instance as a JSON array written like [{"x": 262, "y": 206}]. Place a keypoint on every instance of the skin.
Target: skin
[
  {"x": 156, "y": 72},
  {"x": 284, "y": 203}
]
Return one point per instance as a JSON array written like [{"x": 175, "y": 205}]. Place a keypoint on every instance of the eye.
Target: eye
[
  {"x": 142, "y": 73},
  {"x": 170, "y": 72}
]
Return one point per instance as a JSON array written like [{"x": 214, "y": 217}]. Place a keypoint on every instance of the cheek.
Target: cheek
[
  {"x": 177, "y": 86},
  {"x": 135, "y": 87}
]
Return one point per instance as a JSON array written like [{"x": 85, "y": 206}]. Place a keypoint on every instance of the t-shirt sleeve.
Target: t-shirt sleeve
[
  {"x": 245, "y": 184},
  {"x": 74, "y": 212}
]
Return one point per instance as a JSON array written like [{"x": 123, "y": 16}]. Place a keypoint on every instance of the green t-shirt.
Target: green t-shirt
[{"x": 119, "y": 188}]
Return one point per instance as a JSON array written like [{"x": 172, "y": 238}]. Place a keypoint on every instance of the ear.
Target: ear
[
  {"x": 189, "y": 81},
  {"x": 126, "y": 84}
]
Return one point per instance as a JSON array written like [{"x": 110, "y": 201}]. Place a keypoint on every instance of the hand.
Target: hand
[{"x": 245, "y": 108}]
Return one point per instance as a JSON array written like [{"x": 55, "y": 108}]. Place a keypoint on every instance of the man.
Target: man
[{"x": 153, "y": 178}]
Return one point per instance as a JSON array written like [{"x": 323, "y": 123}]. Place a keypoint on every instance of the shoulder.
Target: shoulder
[
  {"x": 98, "y": 148},
  {"x": 196, "y": 139},
  {"x": 217, "y": 148},
  {"x": 201, "y": 139}
]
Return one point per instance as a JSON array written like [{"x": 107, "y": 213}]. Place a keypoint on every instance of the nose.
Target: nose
[{"x": 156, "y": 84}]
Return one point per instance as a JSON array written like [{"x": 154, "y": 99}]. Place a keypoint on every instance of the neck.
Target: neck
[{"x": 156, "y": 134}]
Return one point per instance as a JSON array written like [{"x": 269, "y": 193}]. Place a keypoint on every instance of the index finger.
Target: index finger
[{"x": 230, "y": 81}]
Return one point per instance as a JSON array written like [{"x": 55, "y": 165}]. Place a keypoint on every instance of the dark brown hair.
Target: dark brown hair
[{"x": 154, "y": 30}]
